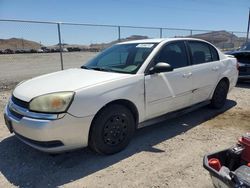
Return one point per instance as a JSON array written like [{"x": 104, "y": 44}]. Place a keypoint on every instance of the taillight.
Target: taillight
[{"x": 237, "y": 65}]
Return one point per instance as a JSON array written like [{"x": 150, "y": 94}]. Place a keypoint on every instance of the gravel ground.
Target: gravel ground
[
  {"x": 17, "y": 67},
  {"x": 168, "y": 154}
]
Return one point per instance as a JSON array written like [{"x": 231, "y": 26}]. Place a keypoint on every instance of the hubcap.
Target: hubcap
[{"x": 115, "y": 130}]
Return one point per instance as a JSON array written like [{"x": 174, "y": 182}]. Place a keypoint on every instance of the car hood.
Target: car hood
[{"x": 67, "y": 80}]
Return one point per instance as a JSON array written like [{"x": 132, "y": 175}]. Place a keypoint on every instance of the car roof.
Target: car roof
[{"x": 159, "y": 40}]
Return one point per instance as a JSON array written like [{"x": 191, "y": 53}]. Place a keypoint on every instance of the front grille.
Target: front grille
[
  {"x": 44, "y": 144},
  {"x": 19, "y": 102}
]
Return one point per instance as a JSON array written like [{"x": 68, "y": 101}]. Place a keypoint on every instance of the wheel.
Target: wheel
[
  {"x": 112, "y": 129},
  {"x": 220, "y": 95}
]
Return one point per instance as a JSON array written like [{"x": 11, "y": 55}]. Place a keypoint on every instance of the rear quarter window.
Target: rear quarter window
[
  {"x": 202, "y": 52},
  {"x": 214, "y": 52}
]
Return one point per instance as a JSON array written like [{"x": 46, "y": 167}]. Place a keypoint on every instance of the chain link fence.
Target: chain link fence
[{"x": 31, "y": 48}]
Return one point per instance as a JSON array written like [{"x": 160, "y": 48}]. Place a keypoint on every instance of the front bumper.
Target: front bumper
[{"x": 51, "y": 135}]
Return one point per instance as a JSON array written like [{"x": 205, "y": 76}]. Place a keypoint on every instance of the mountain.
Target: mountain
[
  {"x": 17, "y": 43},
  {"x": 221, "y": 39},
  {"x": 105, "y": 45},
  {"x": 216, "y": 36}
]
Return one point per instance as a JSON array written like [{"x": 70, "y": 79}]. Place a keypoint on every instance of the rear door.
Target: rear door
[
  {"x": 205, "y": 69},
  {"x": 169, "y": 91}
]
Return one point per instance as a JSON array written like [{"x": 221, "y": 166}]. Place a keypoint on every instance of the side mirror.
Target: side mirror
[{"x": 161, "y": 67}]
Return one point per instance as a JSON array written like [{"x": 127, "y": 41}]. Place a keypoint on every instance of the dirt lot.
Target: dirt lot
[
  {"x": 17, "y": 67},
  {"x": 168, "y": 154}
]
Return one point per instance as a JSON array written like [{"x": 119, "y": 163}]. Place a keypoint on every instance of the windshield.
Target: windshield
[
  {"x": 123, "y": 58},
  {"x": 246, "y": 46}
]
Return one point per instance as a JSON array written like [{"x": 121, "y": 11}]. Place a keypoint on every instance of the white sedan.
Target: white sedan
[{"x": 127, "y": 86}]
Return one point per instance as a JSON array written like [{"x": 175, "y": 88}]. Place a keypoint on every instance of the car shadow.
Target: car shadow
[{"x": 26, "y": 167}]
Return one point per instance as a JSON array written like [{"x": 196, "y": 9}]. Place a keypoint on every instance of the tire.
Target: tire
[
  {"x": 220, "y": 95},
  {"x": 112, "y": 129}
]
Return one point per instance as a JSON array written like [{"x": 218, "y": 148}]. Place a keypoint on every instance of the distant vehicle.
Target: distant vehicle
[
  {"x": 19, "y": 51},
  {"x": 8, "y": 51},
  {"x": 54, "y": 50},
  {"x": 40, "y": 51},
  {"x": 45, "y": 49},
  {"x": 65, "y": 50},
  {"x": 73, "y": 49},
  {"x": 243, "y": 57},
  {"x": 125, "y": 87},
  {"x": 32, "y": 51}
]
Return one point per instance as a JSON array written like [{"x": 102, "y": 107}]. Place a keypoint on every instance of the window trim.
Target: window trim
[{"x": 146, "y": 72}]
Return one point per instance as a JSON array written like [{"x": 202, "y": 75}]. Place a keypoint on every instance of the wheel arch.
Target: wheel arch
[
  {"x": 226, "y": 79},
  {"x": 124, "y": 102}
]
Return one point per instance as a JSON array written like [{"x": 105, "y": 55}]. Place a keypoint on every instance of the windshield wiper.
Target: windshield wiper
[
  {"x": 101, "y": 69},
  {"x": 98, "y": 68},
  {"x": 85, "y": 67}
]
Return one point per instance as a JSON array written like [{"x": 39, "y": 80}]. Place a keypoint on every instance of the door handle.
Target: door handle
[
  {"x": 187, "y": 75},
  {"x": 215, "y": 68}
]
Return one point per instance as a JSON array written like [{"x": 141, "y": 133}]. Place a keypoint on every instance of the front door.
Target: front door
[{"x": 169, "y": 91}]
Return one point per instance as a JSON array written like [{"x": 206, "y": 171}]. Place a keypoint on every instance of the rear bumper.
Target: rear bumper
[
  {"x": 57, "y": 135},
  {"x": 232, "y": 82},
  {"x": 244, "y": 77}
]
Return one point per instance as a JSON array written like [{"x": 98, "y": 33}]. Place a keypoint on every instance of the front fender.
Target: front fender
[{"x": 89, "y": 101}]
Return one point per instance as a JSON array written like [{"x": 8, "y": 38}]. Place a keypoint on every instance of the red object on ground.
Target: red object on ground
[
  {"x": 245, "y": 141},
  {"x": 248, "y": 164},
  {"x": 215, "y": 164}
]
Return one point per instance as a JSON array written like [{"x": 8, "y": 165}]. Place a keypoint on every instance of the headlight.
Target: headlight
[{"x": 52, "y": 103}]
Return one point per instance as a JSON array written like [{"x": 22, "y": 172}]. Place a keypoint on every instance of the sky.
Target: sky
[{"x": 229, "y": 15}]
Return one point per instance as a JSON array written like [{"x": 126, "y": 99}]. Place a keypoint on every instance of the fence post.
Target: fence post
[
  {"x": 231, "y": 40},
  {"x": 60, "y": 44},
  {"x": 160, "y": 32},
  {"x": 119, "y": 33}
]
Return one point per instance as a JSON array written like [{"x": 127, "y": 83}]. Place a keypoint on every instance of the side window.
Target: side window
[
  {"x": 214, "y": 53},
  {"x": 200, "y": 52},
  {"x": 174, "y": 54}
]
